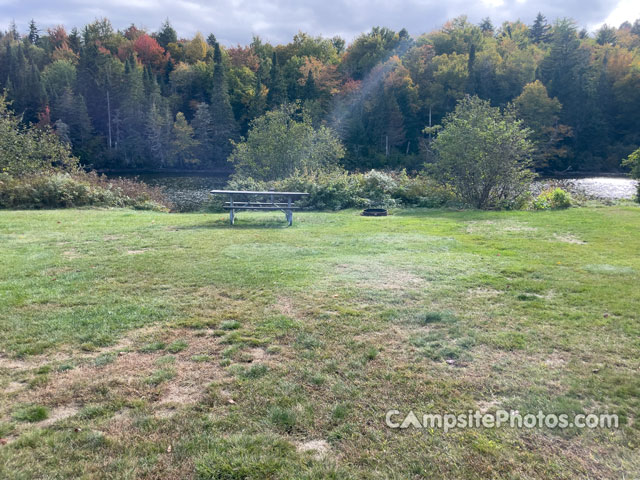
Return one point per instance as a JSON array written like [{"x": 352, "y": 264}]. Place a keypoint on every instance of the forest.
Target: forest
[{"x": 139, "y": 100}]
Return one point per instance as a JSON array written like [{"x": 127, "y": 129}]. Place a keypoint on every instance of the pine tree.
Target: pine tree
[
  {"x": 166, "y": 35},
  {"x": 606, "y": 35},
  {"x": 157, "y": 133},
  {"x": 183, "y": 143},
  {"x": 258, "y": 103},
  {"x": 72, "y": 110},
  {"x": 486, "y": 26},
  {"x": 310, "y": 91},
  {"x": 225, "y": 127},
  {"x": 33, "y": 32},
  {"x": 13, "y": 31},
  {"x": 131, "y": 116},
  {"x": 277, "y": 88},
  {"x": 74, "y": 40},
  {"x": 540, "y": 30},
  {"x": 203, "y": 131}
]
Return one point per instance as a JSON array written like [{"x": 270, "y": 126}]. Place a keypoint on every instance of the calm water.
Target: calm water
[
  {"x": 190, "y": 192},
  {"x": 187, "y": 192},
  {"x": 606, "y": 187}
]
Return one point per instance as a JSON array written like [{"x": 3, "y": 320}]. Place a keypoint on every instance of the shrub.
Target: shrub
[
  {"x": 554, "y": 199},
  {"x": 282, "y": 141},
  {"x": 337, "y": 189},
  {"x": 483, "y": 153},
  {"x": 77, "y": 189},
  {"x": 25, "y": 150},
  {"x": 330, "y": 190},
  {"x": 633, "y": 162}
]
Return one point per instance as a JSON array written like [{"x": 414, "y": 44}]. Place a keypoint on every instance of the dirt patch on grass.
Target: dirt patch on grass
[
  {"x": 483, "y": 293},
  {"x": 286, "y": 307},
  {"x": 118, "y": 372},
  {"x": 71, "y": 254},
  {"x": 555, "y": 360},
  {"x": 319, "y": 448},
  {"x": 59, "y": 413},
  {"x": 34, "y": 361},
  {"x": 490, "y": 405},
  {"x": 12, "y": 387},
  {"x": 14, "y": 363},
  {"x": 568, "y": 238}
]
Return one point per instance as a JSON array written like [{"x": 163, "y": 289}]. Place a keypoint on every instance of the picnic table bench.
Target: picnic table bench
[{"x": 254, "y": 200}]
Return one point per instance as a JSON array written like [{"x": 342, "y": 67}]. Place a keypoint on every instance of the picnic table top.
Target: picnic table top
[{"x": 252, "y": 192}]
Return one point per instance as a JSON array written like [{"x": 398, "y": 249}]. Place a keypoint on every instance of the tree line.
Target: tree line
[{"x": 151, "y": 100}]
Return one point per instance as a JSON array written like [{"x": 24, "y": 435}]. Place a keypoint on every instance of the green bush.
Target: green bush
[
  {"x": 484, "y": 154},
  {"x": 282, "y": 141},
  {"x": 552, "y": 199},
  {"x": 337, "y": 189},
  {"x": 78, "y": 189},
  {"x": 633, "y": 162},
  {"x": 26, "y": 149}
]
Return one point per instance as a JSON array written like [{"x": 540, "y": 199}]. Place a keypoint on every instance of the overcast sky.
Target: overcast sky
[{"x": 236, "y": 21}]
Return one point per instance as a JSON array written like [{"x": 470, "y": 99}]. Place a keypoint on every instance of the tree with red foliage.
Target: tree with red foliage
[
  {"x": 150, "y": 52},
  {"x": 58, "y": 37}
]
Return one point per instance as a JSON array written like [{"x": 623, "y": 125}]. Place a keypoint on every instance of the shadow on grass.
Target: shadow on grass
[
  {"x": 240, "y": 224},
  {"x": 458, "y": 214}
]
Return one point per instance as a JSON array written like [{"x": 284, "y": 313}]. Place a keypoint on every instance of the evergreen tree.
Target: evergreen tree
[
  {"x": 606, "y": 35},
  {"x": 157, "y": 133},
  {"x": 569, "y": 76},
  {"x": 74, "y": 40},
  {"x": 72, "y": 111},
  {"x": 310, "y": 91},
  {"x": 258, "y": 103},
  {"x": 486, "y": 26},
  {"x": 166, "y": 35},
  {"x": 13, "y": 31},
  {"x": 183, "y": 143},
  {"x": 131, "y": 114},
  {"x": 540, "y": 30},
  {"x": 34, "y": 36},
  {"x": 277, "y": 89},
  {"x": 203, "y": 131},
  {"x": 225, "y": 128}
]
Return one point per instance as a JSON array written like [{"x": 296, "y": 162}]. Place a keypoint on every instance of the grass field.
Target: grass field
[{"x": 150, "y": 345}]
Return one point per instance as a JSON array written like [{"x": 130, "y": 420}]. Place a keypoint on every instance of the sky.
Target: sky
[{"x": 237, "y": 21}]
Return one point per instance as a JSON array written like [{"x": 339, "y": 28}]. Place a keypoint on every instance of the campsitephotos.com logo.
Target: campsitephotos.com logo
[{"x": 498, "y": 419}]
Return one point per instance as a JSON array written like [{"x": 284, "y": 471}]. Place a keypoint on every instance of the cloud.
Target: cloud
[{"x": 236, "y": 21}]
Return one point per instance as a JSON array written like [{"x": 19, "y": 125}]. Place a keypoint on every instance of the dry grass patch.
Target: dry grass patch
[
  {"x": 568, "y": 238},
  {"x": 377, "y": 275},
  {"x": 496, "y": 226}
]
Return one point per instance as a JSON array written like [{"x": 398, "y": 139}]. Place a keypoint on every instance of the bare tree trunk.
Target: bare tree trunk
[{"x": 109, "y": 116}]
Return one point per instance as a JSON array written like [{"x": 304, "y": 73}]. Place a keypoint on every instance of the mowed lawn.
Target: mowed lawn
[{"x": 172, "y": 346}]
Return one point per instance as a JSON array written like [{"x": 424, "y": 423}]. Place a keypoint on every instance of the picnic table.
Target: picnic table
[{"x": 254, "y": 200}]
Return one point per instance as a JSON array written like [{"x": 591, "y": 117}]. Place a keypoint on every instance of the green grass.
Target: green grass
[
  {"x": 174, "y": 346},
  {"x": 31, "y": 413}
]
